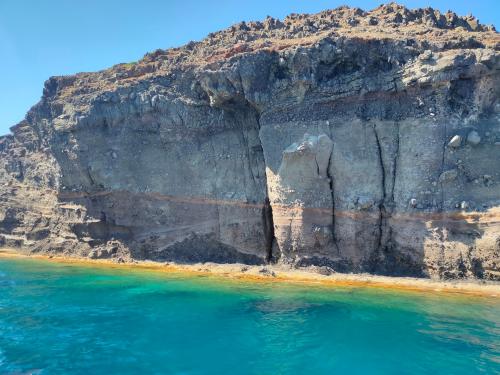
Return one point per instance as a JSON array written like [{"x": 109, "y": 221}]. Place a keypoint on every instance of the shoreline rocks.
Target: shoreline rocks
[{"x": 346, "y": 140}]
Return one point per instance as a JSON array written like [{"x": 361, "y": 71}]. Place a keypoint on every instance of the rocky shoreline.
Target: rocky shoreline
[
  {"x": 351, "y": 140},
  {"x": 283, "y": 274}
]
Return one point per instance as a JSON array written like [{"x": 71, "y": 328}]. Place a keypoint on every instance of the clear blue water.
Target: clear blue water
[{"x": 69, "y": 319}]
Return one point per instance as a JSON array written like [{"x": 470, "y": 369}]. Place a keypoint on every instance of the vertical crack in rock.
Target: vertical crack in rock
[
  {"x": 389, "y": 204},
  {"x": 317, "y": 166},
  {"x": 267, "y": 218},
  {"x": 386, "y": 243},
  {"x": 330, "y": 181},
  {"x": 267, "y": 210},
  {"x": 91, "y": 179},
  {"x": 332, "y": 190},
  {"x": 381, "y": 206}
]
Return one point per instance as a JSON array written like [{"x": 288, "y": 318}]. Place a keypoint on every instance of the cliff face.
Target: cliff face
[{"x": 360, "y": 141}]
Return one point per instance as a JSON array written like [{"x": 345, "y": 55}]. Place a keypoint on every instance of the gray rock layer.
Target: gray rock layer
[{"x": 335, "y": 145}]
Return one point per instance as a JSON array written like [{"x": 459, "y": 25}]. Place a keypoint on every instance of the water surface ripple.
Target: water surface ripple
[{"x": 69, "y": 319}]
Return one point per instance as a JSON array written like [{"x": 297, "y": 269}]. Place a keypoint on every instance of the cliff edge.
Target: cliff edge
[{"x": 350, "y": 140}]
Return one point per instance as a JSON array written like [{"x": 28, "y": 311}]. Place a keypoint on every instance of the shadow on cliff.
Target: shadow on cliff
[
  {"x": 443, "y": 246},
  {"x": 175, "y": 204},
  {"x": 397, "y": 245}
]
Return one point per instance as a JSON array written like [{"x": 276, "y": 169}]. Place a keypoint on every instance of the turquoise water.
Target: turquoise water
[{"x": 69, "y": 319}]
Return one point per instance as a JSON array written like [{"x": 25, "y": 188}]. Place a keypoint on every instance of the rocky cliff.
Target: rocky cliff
[{"x": 358, "y": 141}]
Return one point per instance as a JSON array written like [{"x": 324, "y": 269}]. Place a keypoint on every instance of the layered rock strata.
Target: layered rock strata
[{"x": 350, "y": 140}]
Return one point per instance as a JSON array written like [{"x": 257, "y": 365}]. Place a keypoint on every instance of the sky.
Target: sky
[{"x": 39, "y": 39}]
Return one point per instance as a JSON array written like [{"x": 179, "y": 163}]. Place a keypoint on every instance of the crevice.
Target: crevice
[
  {"x": 381, "y": 205},
  {"x": 92, "y": 181},
  {"x": 317, "y": 166},
  {"x": 390, "y": 205},
  {"x": 267, "y": 219},
  {"x": 332, "y": 190},
  {"x": 330, "y": 182},
  {"x": 267, "y": 210},
  {"x": 381, "y": 161}
]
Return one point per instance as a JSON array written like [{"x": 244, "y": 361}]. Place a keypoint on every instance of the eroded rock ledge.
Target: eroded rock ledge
[{"x": 356, "y": 141}]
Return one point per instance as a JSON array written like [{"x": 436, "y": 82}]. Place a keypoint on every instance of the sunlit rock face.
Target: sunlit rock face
[{"x": 359, "y": 141}]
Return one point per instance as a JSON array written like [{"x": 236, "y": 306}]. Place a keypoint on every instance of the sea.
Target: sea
[{"x": 65, "y": 318}]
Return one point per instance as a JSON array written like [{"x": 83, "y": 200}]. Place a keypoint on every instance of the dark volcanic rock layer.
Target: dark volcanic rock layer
[{"x": 360, "y": 141}]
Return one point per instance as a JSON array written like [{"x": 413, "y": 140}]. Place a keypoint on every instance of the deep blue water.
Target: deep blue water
[{"x": 67, "y": 319}]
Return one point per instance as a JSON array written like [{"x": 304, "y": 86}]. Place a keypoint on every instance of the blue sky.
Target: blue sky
[{"x": 39, "y": 39}]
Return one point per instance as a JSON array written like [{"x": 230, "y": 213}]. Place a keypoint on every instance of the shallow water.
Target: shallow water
[{"x": 67, "y": 319}]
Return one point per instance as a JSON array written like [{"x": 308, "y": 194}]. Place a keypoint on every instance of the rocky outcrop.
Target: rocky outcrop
[{"x": 360, "y": 141}]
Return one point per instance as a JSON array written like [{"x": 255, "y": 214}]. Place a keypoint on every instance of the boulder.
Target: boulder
[{"x": 473, "y": 138}]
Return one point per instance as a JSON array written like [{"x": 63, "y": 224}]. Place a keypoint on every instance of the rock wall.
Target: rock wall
[{"x": 359, "y": 141}]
